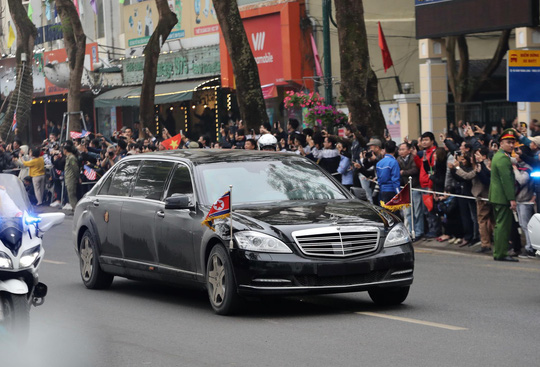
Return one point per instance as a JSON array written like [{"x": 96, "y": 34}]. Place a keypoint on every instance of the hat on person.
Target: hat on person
[
  {"x": 376, "y": 142},
  {"x": 193, "y": 145},
  {"x": 535, "y": 140},
  {"x": 508, "y": 134}
]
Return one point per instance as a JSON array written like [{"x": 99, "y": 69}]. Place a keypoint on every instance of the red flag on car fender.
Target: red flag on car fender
[
  {"x": 220, "y": 209},
  {"x": 386, "y": 58},
  {"x": 401, "y": 200}
]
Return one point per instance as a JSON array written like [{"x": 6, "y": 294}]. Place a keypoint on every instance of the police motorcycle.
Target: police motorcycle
[{"x": 21, "y": 253}]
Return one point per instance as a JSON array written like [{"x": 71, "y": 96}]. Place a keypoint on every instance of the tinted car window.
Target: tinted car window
[
  {"x": 104, "y": 189},
  {"x": 267, "y": 181},
  {"x": 121, "y": 182},
  {"x": 181, "y": 182},
  {"x": 150, "y": 182}
]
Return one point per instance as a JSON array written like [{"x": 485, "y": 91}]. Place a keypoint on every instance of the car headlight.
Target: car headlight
[
  {"x": 260, "y": 242},
  {"x": 29, "y": 257},
  {"x": 399, "y": 235},
  {"x": 5, "y": 261}
]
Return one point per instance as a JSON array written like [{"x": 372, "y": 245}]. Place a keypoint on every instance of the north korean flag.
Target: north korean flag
[{"x": 220, "y": 209}]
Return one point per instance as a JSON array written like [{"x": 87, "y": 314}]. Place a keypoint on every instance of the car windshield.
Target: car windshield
[
  {"x": 13, "y": 197},
  {"x": 266, "y": 181}
]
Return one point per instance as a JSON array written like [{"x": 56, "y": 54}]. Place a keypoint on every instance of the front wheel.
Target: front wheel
[
  {"x": 92, "y": 275},
  {"x": 14, "y": 316},
  {"x": 220, "y": 282},
  {"x": 389, "y": 296}
]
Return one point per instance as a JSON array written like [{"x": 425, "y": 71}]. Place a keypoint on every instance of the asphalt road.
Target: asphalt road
[{"x": 463, "y": 310}]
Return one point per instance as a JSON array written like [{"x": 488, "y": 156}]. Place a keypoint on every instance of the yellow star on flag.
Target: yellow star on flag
[{"x": 174, "y": 144}]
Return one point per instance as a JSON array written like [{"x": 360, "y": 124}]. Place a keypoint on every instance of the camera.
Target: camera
[
  {"x": 369, "y": 154},
  {"x": 111, "y": 154}
]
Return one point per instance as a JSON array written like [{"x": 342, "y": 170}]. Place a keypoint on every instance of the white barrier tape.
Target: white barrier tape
[{"x": 447, "y": 194}]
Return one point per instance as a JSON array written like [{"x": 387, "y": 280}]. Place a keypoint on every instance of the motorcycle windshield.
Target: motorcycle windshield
[{"x": 13, "y": 198}]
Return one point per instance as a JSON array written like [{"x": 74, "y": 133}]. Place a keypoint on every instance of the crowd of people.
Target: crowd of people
[{"x": 459, "y": 162}]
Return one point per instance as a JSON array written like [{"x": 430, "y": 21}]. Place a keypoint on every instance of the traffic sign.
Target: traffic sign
[{"x": 523, "y": 76}]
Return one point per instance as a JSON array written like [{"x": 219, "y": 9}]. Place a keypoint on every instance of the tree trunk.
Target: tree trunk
[
  {"x": 21, "y": 98},
  {"x": 358, "y": 81},
  {"x": 167, "y": 20},
  {"x": 248, "y": 85},
  {"x": 463, "y": 86},
  {"x": 75, "y": 42}
]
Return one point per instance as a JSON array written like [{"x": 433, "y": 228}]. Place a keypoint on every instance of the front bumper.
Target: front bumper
[{"x": 287, "y": 274}]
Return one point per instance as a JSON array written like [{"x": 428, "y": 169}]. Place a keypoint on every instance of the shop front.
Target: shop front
[
  {"x": 187, "y": 94},
  {"x": 282, "y": 50}
]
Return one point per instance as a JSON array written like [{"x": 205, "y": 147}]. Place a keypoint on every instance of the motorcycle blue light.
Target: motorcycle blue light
[
  {"x": 32, "y": 220},
  {"x": 535, "y": 174}
]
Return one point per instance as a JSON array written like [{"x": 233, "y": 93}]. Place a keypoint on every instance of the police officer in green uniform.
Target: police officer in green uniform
[{"x": 502, "y": 195}]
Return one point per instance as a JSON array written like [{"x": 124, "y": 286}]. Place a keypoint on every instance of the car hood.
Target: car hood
[{"x": 284, "y": 217}]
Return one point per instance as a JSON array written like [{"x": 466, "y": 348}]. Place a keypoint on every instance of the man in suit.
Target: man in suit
[{"x": 502, "y": 195}]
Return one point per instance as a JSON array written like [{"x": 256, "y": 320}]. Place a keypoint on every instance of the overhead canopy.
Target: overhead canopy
[{"x": 131, "y": 96}]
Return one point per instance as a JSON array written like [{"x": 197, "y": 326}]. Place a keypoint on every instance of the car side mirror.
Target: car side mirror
[
  {"x": 49, "y": 220},
  {"x": 178, "y": 201},
  {"x": 359, "y": 193}
]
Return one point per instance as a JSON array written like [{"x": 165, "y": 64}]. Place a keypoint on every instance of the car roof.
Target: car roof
[{"x": 205, "y": 156}]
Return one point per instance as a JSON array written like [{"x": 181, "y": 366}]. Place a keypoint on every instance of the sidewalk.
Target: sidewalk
[{"x": 446, "y": 246}]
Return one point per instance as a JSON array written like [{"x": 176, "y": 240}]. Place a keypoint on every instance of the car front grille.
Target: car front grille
[{"x": 337, "y": 241}]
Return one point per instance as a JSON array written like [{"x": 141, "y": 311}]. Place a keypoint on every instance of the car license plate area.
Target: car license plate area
[{"x": 329, "y": 270}]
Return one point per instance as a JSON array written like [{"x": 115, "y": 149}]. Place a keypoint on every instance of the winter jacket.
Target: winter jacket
[
  {"x": 409, "y": 168},
  {"x": 425, "y": 182}
]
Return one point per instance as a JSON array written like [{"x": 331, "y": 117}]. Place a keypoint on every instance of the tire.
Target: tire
[
  {"x": 389, "y": 296},
  {"x": 92, "y": 275},
  {"x": 220, "y": 282},
  {"x": 15, "y": 321}
]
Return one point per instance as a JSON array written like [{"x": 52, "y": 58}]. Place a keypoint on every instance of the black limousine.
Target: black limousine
[{"x": 295, "y": 229}]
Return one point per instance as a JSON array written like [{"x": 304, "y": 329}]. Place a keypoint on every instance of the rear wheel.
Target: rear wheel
[
  {"x": 92, "y": 275},
  {"x": 14, "y": 316},
  {"x": 220, "y": 282},
  {"x": 389, "y": 296}
]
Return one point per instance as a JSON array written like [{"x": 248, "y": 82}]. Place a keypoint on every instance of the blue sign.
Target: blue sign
[{"x": 523, "y": 76}]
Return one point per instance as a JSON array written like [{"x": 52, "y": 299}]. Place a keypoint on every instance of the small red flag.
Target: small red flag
[
  {"x": 401, "y": 200},
  {"x": 172, "y": 143},
  {"x": 386, "y": 58}
]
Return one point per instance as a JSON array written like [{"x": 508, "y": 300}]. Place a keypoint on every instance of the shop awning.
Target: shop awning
[{"x": 131, "y": 96}]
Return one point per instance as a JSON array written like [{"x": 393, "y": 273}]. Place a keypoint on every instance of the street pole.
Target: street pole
[{"x": 328, "y": 93}]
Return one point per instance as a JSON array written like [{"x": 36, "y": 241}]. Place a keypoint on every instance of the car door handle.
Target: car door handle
[
  {"x": 161, "y": 214},
  {"x": 95, "y": 202}
]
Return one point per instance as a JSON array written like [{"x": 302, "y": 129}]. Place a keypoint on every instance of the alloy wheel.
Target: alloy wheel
[
  {"x": 216, "y": 278},
  {"x": 87, "y": 258}
]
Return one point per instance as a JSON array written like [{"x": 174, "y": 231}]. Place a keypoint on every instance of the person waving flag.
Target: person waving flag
[{"x": 220, "y": 209}]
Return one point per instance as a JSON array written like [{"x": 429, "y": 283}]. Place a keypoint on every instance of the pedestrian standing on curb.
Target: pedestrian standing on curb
[
  {"x": 409, "y": 168},
  {"x": 37, "y": 172},
  {"x": 71, "y": 176},
  {"x": 502, "y": 195},
  {"x": 388, "y": 173}
]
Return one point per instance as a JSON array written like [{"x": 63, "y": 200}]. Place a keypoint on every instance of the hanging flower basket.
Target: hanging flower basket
[
  {"x": 327, "y": 116},
  {"x": 302, "y": 100}
]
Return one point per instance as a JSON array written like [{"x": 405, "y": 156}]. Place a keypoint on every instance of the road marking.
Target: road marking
[
  {"x": 54, "y": 262},
  {"x": 412, "y": 321}
]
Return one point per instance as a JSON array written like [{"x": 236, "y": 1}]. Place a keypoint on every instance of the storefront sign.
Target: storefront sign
[
  {"x": 195, "y": 18},
  {"x": 264, "y": 37},
  {"x": 181, "y": 65}
]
